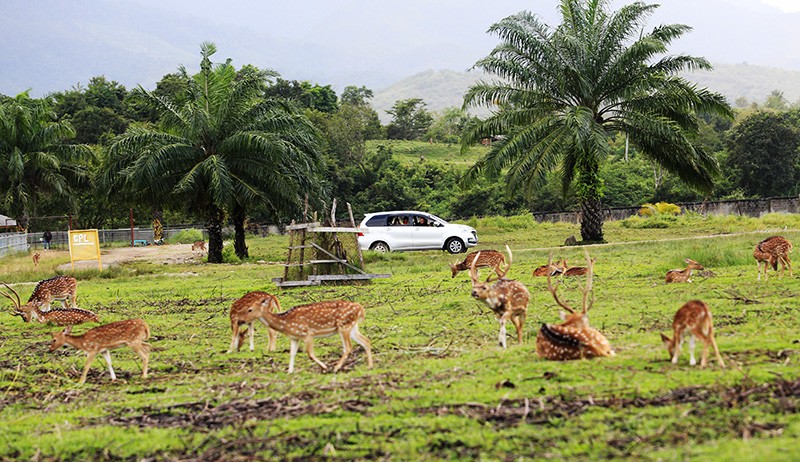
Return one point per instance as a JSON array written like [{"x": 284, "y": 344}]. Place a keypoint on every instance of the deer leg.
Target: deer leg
[
  {"x": 273, "y": 335},
  {"x": 518, "y": 321},
  {"x": 347, "y": 347},
  {"x": 89, "y": 358},
  {"x": 502, "y": 337},
  {"x": 716, "y": 350},
  {"x": 310, "y": 352},
  {"x": 364, "y": 342},
  {"x": 143, "y": 350},
  {"x": 235, "y": 338},
  {"x": 252, "y": 334},
  {"x": 704, "y": 358},
  {"x": 107, "y": 357},
  {"x": 692, "y": 361},
  {"x": 678, "y": 340},
  {"x": 292, "y": 353}
]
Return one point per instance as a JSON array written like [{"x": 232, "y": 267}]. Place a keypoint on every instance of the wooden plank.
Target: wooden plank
[
  {"x": 347, "y": 277},
  {"x": 359, "y": 270},
  {"x": 333, "y": 229},
  {"x": 298, "y": 283},
  {"x": 319, "y": 262},
  {"x": 301, "y": 226}
]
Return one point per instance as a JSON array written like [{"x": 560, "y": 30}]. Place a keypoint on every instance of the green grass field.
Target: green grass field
[{"x": 441, "y": 387}]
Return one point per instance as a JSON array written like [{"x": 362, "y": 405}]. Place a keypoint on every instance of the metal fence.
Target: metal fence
[
  {"x": 107, "y": 236},
  {"x": 10, "y": 243}
]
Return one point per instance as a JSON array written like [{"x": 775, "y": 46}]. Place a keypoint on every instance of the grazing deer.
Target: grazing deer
[
  {"x": 508, "y": 299},
  {"x": 771, "y": 251},
  {"x": 573, "y": 338},
  {"x": 683, "y": 275},
  {"x": 58, "y": 288},
  {"x": 692, "y": 319},
  {"x": 63, "y": 317},
  {"x": 488, "y": 259},
  {"x": 321, "y": 319},
  {"x": 101, "y": 339},
  {"x": 199, "y": 245},
  {"x": 551, "y": 269},
  {"x": 246, "y": 310},
  {"x": 36, "y": 256}
]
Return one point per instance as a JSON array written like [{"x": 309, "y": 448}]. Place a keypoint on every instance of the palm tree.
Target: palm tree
[
  {"x": 36, "y": 159},
  {"x": 563, "y": 91},
  {"x": 223, "y": 145}
]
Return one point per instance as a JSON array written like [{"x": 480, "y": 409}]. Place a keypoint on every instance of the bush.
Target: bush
[
  {"x": 186, "y": 236},
  {"x": 660, "y": 208}
]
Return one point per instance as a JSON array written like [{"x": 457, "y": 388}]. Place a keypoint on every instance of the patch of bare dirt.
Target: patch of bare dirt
[{"x": 166, "y": 254}]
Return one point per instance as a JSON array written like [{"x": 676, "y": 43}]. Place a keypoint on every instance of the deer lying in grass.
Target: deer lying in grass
[
  {"x": 101, "y": 339},
  {"x": 771, "y": 251},
  {"x": 60, "y": 317},
  {"x": 683, "y": 275},
  {"x": 248, "y": 309},
  {"x": 321, "y": 319},
  {"x": 551, "y": 269},
  {"x": 36, "y": 258},
  {"x": 573, "y": 338},
  {"x": 488, "y": 259},
  {"x": 508, "y": 299},
  {"x": 570, "y": 271},
  {"x": 692, "y": 319}
]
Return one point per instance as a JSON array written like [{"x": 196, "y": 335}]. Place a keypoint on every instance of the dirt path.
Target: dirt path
[{"x": 168, "y": 254}]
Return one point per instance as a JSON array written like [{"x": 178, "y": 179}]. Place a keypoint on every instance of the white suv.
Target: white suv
[{"x": 409, "y": 230}]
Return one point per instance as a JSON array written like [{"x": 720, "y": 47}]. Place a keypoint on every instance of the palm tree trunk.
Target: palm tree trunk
[
  {"x": 214, "y": 229},
  {"x": 239, "y": 244},
  {"x": 592, "y": 221}
]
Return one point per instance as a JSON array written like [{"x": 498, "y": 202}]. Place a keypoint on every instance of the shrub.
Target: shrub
[
  {"x": 186, "y": 236},
  {"x": 660, "y": 208}
]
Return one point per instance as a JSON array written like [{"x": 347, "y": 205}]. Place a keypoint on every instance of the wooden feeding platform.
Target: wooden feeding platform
[{"x": 310, "y": 263}]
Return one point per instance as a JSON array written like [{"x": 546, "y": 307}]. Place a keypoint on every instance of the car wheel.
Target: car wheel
[
  {"x": 455, "y": 245},
  {"x": 381, "y": 247}
]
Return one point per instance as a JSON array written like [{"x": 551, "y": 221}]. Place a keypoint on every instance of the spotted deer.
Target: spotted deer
[
  {"x": 248, "y": 309},
  {"x": 303, "y": 323},
  {"x": 573, "y": 338},
  {"x": 550, "y": 269},
  {"x": 101, "y": 339},
  {"x": 488, "y": 259},
  {"x": 36, "y": 256},
  {"x": 58, "y": 288},
  {"x": 693, "y": 319},
  {"x": 570, "y": 271},
  {"x": 507, "y": 298},
  {"x": 771, "y": 251},
  {"x": 63, "y": 317},
  {"x": 683, "y": 275},
  {"x": 199, "y": 245}
]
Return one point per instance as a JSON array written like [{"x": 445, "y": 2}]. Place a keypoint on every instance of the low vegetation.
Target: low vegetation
[{"x": 441, "y": 387}]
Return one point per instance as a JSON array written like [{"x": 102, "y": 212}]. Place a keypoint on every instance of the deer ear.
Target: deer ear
[
  {"x": 665, "y": 339},
  {"x": 687, "y": 260}
]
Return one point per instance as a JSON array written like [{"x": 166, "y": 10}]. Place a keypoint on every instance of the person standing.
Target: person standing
[{"x": 48, "y": 236}]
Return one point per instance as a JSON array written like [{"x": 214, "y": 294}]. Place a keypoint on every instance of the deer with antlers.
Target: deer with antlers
[
  {"x": 573, "y": 338},
  {"x": 488, "y": 259},
  {"x": 101, "y": 339},
  {"x": 683, "y": 275},
  {"x": 248, "y": 309},
  {"x": 304, "y": 323},
  {"x": 63, "y": 317},
  {"x": 507, "y": 298},
  {"x": 771, "y": 251},
  {"x": 693, "y": 319}
]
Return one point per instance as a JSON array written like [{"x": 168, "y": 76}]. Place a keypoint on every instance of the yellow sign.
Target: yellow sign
[{"x": 84, "y": 245}]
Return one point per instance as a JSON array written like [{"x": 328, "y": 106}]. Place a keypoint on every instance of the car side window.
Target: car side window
[{"x": 377, "y": 220}]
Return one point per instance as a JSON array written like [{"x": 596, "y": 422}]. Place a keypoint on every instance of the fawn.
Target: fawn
[
  {"x": 488, "y": 259},
  {"x": 101, "y": 339},
  {"x": 683, "y": 275},
  {"x": 573, "y": 338},
  {"x": 508, "y": 299},
  {"x": 692, "y": 319},
  {"x": 60, "y": 317},
  {"x": 36, "y": 256},
  {"x": 249, "y": 308},
  {"x": 199, "y": 245},
  {"x": 321, "y": 319},
  {"x": 771, "y": 251},
  {"x": 575, "y": 270}
]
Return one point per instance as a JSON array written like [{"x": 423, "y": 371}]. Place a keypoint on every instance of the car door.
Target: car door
[
  {"x": 426, "y": 235},
  {"x": 399, "y": 232}
]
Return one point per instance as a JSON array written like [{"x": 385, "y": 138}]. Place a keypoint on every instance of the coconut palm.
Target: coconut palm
[
  {"x": 36, "y": 159},
  {"x": 223, "y": 145},
  {"x": 563, "y": 91}
]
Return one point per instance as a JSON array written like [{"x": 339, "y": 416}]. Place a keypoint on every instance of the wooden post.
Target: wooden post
[
  {"x": 353, "y": 224},
  {"x": 289, "y": 257},
  {"x": 131, "y": 217}
]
